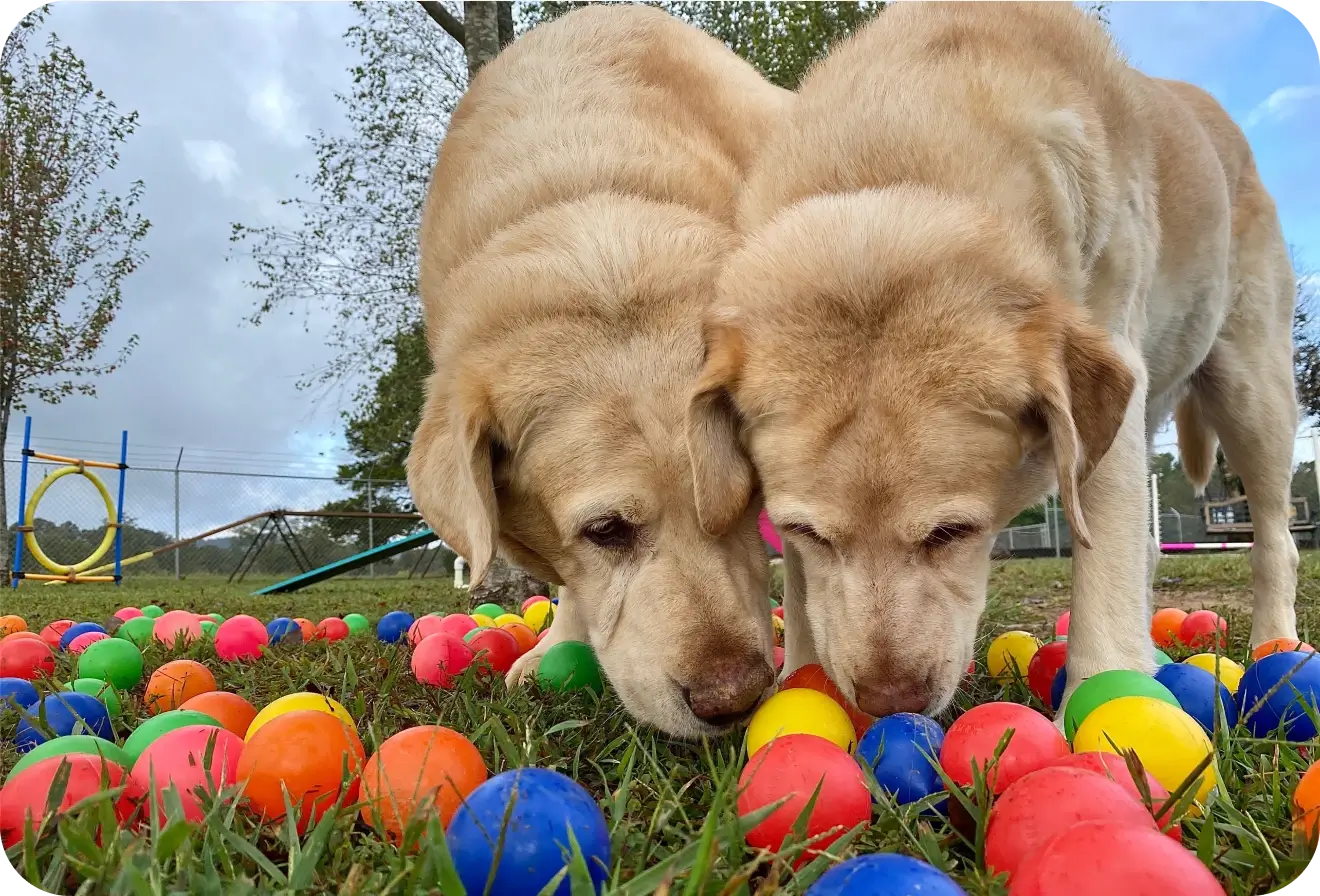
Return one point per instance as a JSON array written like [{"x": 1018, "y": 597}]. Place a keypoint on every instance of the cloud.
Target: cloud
[
  {"x": 1282, "y": 103},
  {"x": 212, "y": 160},
  {"x": 272, "y": 106}
]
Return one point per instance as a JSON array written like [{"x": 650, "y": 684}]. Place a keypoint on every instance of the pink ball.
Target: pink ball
[
  {"x": 126, "y": 613},
  {"x": 429, "y": 624},
  {"x": 535, "y": 598},
  {"x": 241, "y": 638},
  {"x": 81, "y": 643},
  {"x": 779, "y": 657},
  {"x": 972, "y": 739},
  {"x": 457, "y": 624},
  {"x": 178, "y": 758},
  {"x": 1204, "y": 629},
  {"x": 1061, "y": 625},
  {"x": 176, "y": 624},
  {"x": 439, "y": 658}
]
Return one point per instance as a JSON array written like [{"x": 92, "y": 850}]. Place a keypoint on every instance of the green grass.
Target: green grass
[{"x": 669, "y": 804}]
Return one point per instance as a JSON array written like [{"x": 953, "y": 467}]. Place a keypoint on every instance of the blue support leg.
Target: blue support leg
[
  {"x": 119, "y": 515},
  {"x": 22, "y": 501}
]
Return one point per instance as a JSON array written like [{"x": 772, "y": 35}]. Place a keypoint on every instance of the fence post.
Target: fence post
[
  {"x": 177, "y": 463},
  {"x": 1155, "y": 506},
  {"x": 371, "y": 528},
  {"x": 1315, "y": 464},
  {"x": 1058, "y": 537}
]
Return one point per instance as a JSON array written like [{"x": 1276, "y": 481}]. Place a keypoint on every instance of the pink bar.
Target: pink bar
[
  {"x": 1181, "y": 546},
  {"x": 769, "y": 534}
]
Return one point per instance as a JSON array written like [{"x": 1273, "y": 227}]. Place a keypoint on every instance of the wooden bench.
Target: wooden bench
[{"x": 1233, "y": 517}]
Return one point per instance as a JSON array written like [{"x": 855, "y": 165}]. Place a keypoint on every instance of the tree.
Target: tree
[
  {"x": 1306, "y": 339},
  {"x": 66, "y": 243}
]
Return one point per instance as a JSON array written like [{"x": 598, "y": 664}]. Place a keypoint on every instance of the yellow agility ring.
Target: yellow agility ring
[{"x": 30, "y": 536}]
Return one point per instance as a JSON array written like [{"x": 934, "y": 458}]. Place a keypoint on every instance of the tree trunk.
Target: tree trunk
[
  {"x": 507, "y": 585},
  {"x": 6, "y": 544},
  {"x": 481, "y": 34}
]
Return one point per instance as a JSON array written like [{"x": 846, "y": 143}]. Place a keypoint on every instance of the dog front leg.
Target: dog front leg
[
  {"x": 799, "y": 648},
  {"x": 567, "y": 625}
]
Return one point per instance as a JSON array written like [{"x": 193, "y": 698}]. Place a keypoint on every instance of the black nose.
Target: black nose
[
  {"x": 886, "y": 696},
  {"x": 728, "y": 689}
]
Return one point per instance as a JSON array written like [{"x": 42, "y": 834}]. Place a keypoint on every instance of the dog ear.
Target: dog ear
[
  {"x": 450, "y": 472},
  {"x": 721, "y": 471},
  {"x": 1083, "y": 397}
]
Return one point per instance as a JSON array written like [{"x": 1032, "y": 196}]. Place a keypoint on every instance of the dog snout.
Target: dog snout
[
  {"x": 892, "y": 694},
  {"x": 727, "y": 689}
]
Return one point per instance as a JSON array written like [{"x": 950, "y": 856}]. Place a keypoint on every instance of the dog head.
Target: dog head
[
  {"x": 553, "y": 432},
  {"x": 904, "y": 380}
]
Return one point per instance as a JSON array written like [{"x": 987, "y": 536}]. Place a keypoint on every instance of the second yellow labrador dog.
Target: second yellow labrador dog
[
  {"x": 579, "y": 212},
  {"x": 987, "y": 258}
]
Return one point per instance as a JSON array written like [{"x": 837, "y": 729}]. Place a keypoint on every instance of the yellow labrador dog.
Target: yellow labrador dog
[
  {"x": 986, "y": 258},
  {"x": 578, "y": 215}
]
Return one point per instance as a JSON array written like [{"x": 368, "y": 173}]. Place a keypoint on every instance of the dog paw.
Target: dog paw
[{"x": 524, "y": 668}]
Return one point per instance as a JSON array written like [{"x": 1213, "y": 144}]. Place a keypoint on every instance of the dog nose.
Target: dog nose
[
  {"x": 890, "y": 695},
  {"x": 727, "y": 690}
]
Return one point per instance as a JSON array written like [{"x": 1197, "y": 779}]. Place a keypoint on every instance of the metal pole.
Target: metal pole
[
  {"x": 371, "y": 528},
  {"x": 119, "y": 516},
  {"x": 1058, "y": 539},
  {"x": 22, "y": 502},
  {"x": 177, "y": 537},
  {"x": 1155, "y": 506}
]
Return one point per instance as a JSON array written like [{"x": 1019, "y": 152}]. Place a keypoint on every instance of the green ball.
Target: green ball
[
  {"x": 208, "y": 627},
  {"x": 1161, "y": 658},
  {"x": 101, "y": 690},
  {"x": 570, "y": 666},
  {"x": 1100, "y": 689},
  {"x": 87, "y": 744},
  {"x": 145, "y": 734},
  {"x": 216, "y": 617},
  {"x": 116, "y": 660},
  {"x": 491, "y": 610},
  {"x": 357, "y": 623},
  {"x": 151, "y": 611},
  {"x": 473, "y": 633},
  {"x": 774, "y": 604},
  {"x": 138, "y": 630}
]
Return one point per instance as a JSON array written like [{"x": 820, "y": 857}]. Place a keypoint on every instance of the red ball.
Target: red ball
[
  {"x": 178, "y": 758},
  {"x": 494, "y": 649},
  {"x": 977, "y": 732},
  {"x": 52, "y": 633},
  {"x": 27, "y": 658},
  {"x": 23, "y": 798},
  {"x": 241, "y": 638},
  {"x": 332, "y": 629},
  {"x": 1098, "y": 859},
  {"x": 439, "y": 658},
  {"x": 423, "y": 626},
  {"x": 123, "y": 614},
  {"x": 793, "y": 766},
  {"x": 1044, "y": 665},
  {"x": 1204, "y": 629},
  {"x": 1048, "y": 801},
  {"x": 1061, "y": 624},
  {"x": 457, "y": 624},
  {"x": 1114, "y": 767},
  {"x": 535, "y": 598},
  {"x": 85, "y": 640},
  {"x": 814, "y": 677},
  {"x": 778, "y": 611}
]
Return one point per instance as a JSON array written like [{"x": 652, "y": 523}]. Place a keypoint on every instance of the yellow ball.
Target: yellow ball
[
  {"x": 778, "y": 625},
  {"x": 800, "y": 711},
  {"x": 483, "y": 620},
  {"x": 295, "y": 702},
  {"x": 501, "y": 621},
  {"x": 1230, "y": 673},
  {"x": 1167, "y": 740},
  {"x": 1009, "y": 650},
  {"x": 539, "y": 615}
]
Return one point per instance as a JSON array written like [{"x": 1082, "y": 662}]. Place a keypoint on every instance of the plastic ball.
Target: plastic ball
[
  {"x": 16, "y": 693},
  {"x": 24, "y": 798},
  {"x": 1044, "y": 666},
  {"x": 1306, "y": 805},
  {"x": 440, "y": 658},
  {"x": 496, "y": 650},
  {"x": 482, "y": 620},
  {"x": 1097, "y": 859},
  {"x": 903, "y": 752},
  {"x": 1010, "y": 655},
  {"x": 793, "y": 767},
  {"x": 85, "y": 640},
  {"x": 283, "y": 629},
  {"x": 72, "y": 745},
  {"x": 114, "y": 660},
  {"x": 1169, "y": 742},
  {"x": 800, "y": 711},
  {"x": 1294, "y": 679},
  {"x": 972, "y": 739},
  {"x": 1229, "y": 672},
  {"x": 530, "y": 811},
  {"x": 234, "y": 713},
  {"x": 505, "y": 618},
  {"x": 177, "y": 627},
  {"x": 241, "y": 637},
  {"x": 570, "y": 666},
  {"x": 490, "y": 610},
  {"x": 332, "y": 629},
  {"x": 299, "y": 702},
  {"x": 1203, "y": 629},
  {"x": 305, "y": 628},
  {"x": 26, "y": 658},
  {"x": 1165, "y": 626},
  {"x": 145, "y": 735},
  {"x": 10, "y": 623},
  {"x": 54, "y": 632},
  {"x": 357, "y": 623},
  {"x": 101, "y": 690},
  {"x": 523, "y": 634},
  {"x": 884, "y": 874},
  {"x": 1196, "y": 691},
  {"x": 777, "y": 612},
  {"x": 778, "y": 655},
  {"x": 1061, "y": 624},
  {"x": 457, "y": 624},
  {"x": 179, "y": 759},
  {"x": 215, "y": 617},
  {"x": 429, "y": 624},
  {"x": 67, "y": 712},
  {"x": 394, "y": 626},
  {"x": 314, "y": 756},
  {"x": 813, "y": 676},
  {"x": 1162, "y": 658},
  {"x": 81, "y": 628},
  {"x": 1115, "y": 768},
  {"x": 534, "y": 599},
  {"x": 1110, "y": 685},
  {"x": 151, "y": 611},
  {"x": 777, "y": 626},
  {"x": 137, "y": 631},
  {"x": 22, "y": 636},
  {"x": 427, "y": 770},
  {"x": 123, "y": 614},
  {"x": 1280, "y": 645},
  {"x": 175, "y": 682}
]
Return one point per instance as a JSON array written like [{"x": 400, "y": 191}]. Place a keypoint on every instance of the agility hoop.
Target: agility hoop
[{"x": 30, "y": 536}]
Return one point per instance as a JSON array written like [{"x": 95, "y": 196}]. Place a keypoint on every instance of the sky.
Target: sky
[{"x": 228, "y": 94}]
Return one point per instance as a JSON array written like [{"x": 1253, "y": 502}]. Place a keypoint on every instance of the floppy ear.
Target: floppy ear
[
  {"x": 1083, "y": 398},
  {"x": 721, "y": 472},
  {"x": 450, "y": 474}
]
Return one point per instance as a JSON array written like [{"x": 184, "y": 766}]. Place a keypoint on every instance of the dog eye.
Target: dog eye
[
  {"x": 612, "y": 532},
  {"x": 948, "y": 533},
  {"x": 802, "y": 530}
]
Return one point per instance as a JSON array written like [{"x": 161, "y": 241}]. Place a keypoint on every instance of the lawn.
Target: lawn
[{"x": 669, "y": 804}]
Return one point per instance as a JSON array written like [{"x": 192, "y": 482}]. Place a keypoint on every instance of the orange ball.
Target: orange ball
[
  {"x": 814, "y": 678},
  {"x": 523, "y": 634},
  {"x": 1165, "y": 626},
  {"x": 1280, "y": 645},
  {"x": 232, "y": 712},
  {"x": 1306, "y": 804},
  {"x": 11, "y": 623},
  {"x": 312, "y": 755},
  {"x": 307, "y": 628},
  {"x": 417, "y": 772},
  {"x": 175, "y": 683}
]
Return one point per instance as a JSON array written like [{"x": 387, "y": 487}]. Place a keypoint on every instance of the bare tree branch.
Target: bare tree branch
[{"x": 444, "y": 19}]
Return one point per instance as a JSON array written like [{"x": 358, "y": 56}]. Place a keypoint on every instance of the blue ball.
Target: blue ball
[
  {"x": 546, "y": 806},
  {"x": 281, "y": 628},
  {"x": 1288, "y": 705},
  {"x": 393, "y": 626},
  {"x": 1195, "y": 691},
  {"x": 68, "y": 712},
  {"x": 81, "y": 628},
  {"x": 896, "y": 748},
  {"x": 884, "y": 874},
  {"x": 1056, "y": 688},
  {"x": 16, "y": 693}
]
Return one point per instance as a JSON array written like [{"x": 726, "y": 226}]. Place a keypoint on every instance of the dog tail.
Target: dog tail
[{"x": 1197, "y": 443}]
